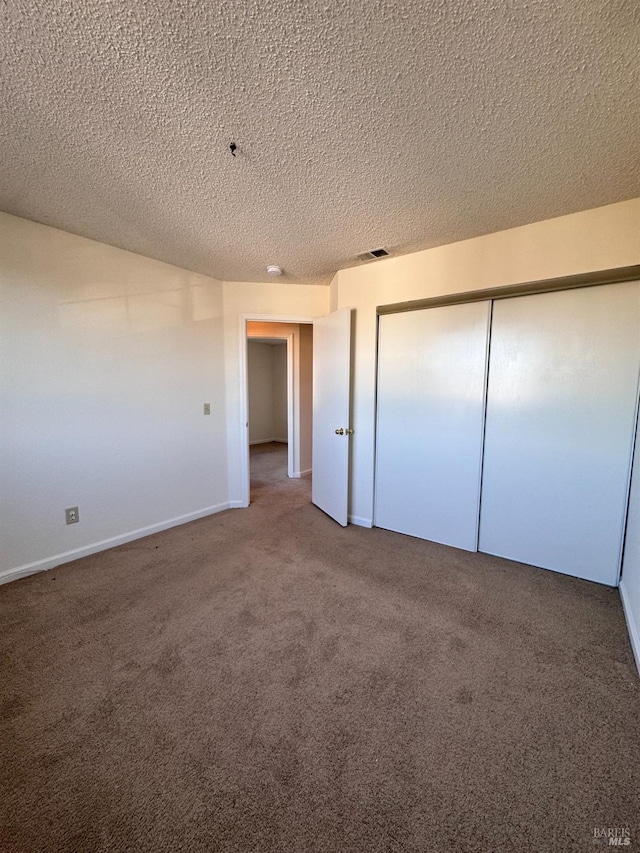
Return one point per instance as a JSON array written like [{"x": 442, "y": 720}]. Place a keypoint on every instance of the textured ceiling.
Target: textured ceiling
[{"x": 397, "y": 123}]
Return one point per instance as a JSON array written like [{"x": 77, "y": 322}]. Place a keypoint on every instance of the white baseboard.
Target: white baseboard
[
  {"x": 304, "y": 473},
  {"x": 268, "y": 441},
  {"x": 86, "y": 550},
  {"x": 360, "y": 522},
  {"x": 632, "y": 625},
  {"x": 237, "y": 505}
]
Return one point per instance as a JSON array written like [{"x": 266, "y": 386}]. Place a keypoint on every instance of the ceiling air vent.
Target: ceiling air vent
[{"x": 372, "y": 255}]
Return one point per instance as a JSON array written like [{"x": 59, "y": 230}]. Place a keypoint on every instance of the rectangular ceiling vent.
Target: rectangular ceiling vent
[{"x": 372, "y": 255}]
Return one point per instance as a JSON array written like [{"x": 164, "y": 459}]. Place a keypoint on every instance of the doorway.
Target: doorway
[
  {"x": 269, "y": 377},
  {"x": 278, "y": 399}
]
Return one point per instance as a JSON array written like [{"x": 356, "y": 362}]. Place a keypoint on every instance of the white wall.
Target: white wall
[
  {"x": 630, "y": 582},
  {"x": 267, "y": 383},
  {"x": 260, "y": 382},
  {"x": 603, "y": 238},
  {"x": 306, "y": 397},
  {"x": 246, "y": 300},
  {"x": 599, "y": 239},
  {"x": 280, "y": 392},
  {"x": 107, "y": 359}
]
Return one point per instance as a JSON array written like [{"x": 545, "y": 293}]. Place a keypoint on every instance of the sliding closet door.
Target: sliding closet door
[
  {"x": 561, "y": 403},
  {"x": 431, "y": 388}
]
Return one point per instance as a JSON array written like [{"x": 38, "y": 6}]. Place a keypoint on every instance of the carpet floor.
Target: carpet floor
[{"x": 264, "y": 680}]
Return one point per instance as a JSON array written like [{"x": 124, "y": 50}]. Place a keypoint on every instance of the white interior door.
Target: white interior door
[
  {"x": 430, "y": 418},
  {"x": 331, "y": 412},
  {"x": 561, "y": 405}
]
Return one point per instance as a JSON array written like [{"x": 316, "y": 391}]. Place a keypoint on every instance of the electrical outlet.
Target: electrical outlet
[
  {"x": 207, "y": 408},
  {"x": 72, "y": 515}
]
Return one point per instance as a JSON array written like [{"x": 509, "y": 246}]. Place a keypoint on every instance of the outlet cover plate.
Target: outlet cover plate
[{"x": 72, "y": 515}]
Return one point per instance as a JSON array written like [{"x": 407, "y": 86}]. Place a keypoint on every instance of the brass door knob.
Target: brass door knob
[{"x": 340, "y": 431}]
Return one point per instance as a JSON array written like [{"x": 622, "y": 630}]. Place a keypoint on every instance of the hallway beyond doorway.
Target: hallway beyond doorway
[{"x": 269, "y": 480}]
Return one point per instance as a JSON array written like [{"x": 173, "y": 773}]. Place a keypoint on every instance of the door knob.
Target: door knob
[{"x": 340, "y": 431}]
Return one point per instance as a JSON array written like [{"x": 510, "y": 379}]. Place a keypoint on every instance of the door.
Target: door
[
  {"x": 331, "y": 414},
  {"x": 561, "y": 405},
  {"x": 430, "y": 418}
]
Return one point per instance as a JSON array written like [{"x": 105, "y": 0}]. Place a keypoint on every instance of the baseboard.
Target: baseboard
[
  {"x": 86, "y": 550},
  {"x": 360, "y": 522},
  {"x": 269, "y": 441},
  {"x": 632, "y": 626},
  {"x": 298, "y": 474},
  {"x": 237, "y": 505}
]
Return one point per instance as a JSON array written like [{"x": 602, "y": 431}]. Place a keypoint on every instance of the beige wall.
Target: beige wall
[{"x": 598, "y": 239}]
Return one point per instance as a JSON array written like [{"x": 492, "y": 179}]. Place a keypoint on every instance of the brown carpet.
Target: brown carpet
[{"x": 263, "y": 680}]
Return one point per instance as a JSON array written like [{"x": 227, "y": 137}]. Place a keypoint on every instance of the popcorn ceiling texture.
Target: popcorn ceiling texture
[{"x": 401, "y": 123}]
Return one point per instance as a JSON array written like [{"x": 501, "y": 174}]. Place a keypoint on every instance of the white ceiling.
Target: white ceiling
[{"x": 398, "y": 123}]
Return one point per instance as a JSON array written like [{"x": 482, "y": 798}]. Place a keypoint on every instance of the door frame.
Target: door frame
[
  {"x": 292, "y": 433},
  {"x": 293, "y": 402}
]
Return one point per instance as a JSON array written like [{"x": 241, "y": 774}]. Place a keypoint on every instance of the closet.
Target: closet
[
  {"x": 506, "y": 425},
  {"x": 431, "y": 400}
]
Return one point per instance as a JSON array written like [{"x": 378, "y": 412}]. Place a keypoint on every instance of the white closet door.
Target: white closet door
[
  {"x": 431, "y": 389},
  {"x": 563, "y": 379}
]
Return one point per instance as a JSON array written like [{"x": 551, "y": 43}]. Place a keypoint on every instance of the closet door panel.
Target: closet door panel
[
  {"x": 562, "y": 392},
  {"x": 430, "y": 414}
]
